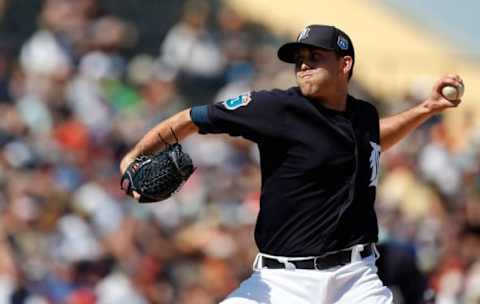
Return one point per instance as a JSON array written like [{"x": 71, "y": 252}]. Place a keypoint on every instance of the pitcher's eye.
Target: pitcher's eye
[
  {"x": 316, "y": 56},
  {"x": 298, "y": 59}
]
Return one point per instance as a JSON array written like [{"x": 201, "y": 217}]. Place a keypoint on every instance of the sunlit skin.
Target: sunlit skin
[{"x": 322, "y": 75}]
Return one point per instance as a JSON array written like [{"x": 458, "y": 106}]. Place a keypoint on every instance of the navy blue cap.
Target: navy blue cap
[{"x": 326, "y": 37}]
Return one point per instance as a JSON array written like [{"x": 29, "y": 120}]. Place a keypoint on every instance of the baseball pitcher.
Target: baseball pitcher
[{"x": 319, "y": 149}]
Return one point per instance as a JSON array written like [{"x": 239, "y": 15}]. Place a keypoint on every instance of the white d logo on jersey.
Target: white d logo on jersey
[{"x": 374, "y": 163}]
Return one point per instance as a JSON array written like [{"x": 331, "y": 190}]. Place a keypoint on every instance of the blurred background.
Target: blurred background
[{"x": 82, "y": 80}]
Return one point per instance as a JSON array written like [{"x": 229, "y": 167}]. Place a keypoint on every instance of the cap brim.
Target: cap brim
[{"x": 287, "y": 51}]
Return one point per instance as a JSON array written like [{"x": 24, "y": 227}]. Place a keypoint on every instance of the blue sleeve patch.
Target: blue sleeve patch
[{"x": 237, "y": 102}]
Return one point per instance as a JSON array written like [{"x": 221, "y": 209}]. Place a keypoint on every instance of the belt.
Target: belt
[{"x": 329, "y": 260}]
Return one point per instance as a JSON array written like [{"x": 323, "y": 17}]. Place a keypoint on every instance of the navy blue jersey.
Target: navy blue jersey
[{"x": 319, "y": 168}]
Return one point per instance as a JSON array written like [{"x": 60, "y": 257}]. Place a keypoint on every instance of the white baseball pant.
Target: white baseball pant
[{"x": 353, "y": 283}]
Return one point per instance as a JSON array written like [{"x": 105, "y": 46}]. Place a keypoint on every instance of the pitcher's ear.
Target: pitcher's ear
[{"x": 347, "y": 64}]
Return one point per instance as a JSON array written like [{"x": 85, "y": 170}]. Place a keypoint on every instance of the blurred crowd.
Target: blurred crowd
[{"x": 77, "y": 93}]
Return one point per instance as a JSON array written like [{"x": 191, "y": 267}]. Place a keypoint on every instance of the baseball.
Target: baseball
[{"x": 453, "y": 93}]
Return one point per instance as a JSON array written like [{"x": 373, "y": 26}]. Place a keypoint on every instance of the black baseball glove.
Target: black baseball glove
[{"x": 156, "y": 177}]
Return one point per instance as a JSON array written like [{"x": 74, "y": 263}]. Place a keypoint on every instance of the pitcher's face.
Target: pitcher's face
[{"x": 317, "y": 71}]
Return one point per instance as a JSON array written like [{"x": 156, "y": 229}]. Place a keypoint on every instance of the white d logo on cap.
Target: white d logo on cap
[{"x": 304, "y": 34}]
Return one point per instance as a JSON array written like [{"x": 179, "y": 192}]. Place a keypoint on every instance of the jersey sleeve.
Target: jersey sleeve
[{"x": 255, "y": 116}]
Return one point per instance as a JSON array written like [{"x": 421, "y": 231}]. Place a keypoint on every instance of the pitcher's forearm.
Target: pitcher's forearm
[
  {"x": 179, "y": 126},
  {"x": 395, "y": 128}
]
